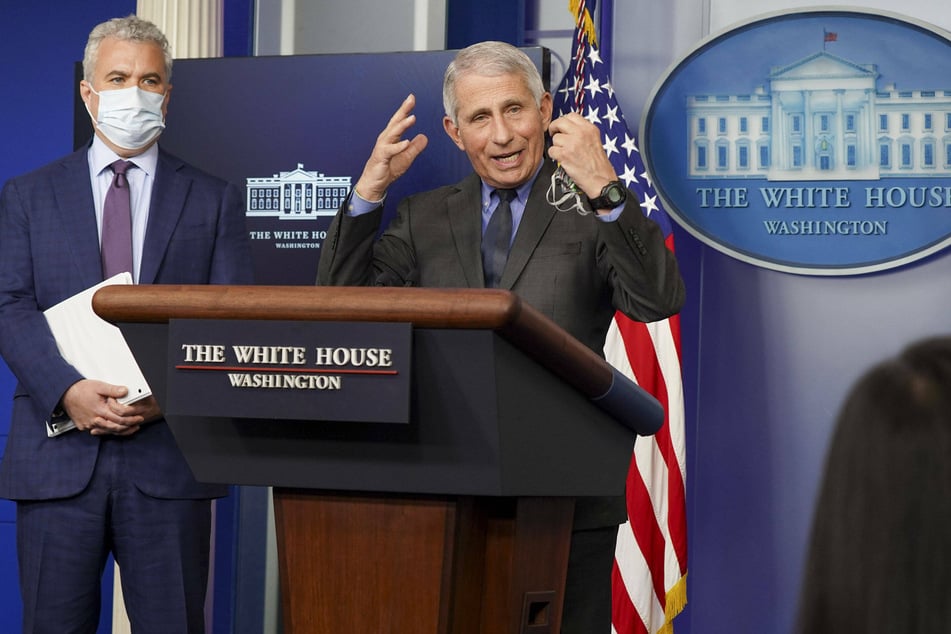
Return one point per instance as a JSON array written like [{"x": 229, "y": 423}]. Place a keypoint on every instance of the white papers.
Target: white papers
[{"x": 94, "y": 347}]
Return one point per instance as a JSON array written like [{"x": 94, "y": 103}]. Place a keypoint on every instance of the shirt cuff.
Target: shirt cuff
[
  {"x": 357, "y": 205},
  {"x": 614, "y": 215}
]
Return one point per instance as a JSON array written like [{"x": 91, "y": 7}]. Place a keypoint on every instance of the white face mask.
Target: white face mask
[{"x": 130, "y": 117}]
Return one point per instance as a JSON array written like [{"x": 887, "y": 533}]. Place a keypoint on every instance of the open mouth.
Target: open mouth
[{"x": 507, "y": 159}]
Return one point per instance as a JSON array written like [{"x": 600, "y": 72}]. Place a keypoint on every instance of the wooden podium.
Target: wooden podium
[{"x": 458, "y": 522}]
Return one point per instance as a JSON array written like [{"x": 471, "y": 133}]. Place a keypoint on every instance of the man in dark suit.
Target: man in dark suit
[
  {"x": 117, "y": 482},
  {"x": 576, "y": 269}
]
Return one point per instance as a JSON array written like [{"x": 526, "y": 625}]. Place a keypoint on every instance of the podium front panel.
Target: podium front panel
[{"x": 485, "y": 420}]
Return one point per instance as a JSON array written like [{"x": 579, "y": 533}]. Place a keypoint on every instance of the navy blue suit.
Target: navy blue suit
[{"x": 49, "y": 250}]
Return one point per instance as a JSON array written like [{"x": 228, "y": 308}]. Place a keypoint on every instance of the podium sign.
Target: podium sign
[{"x": 292, "y": 370}]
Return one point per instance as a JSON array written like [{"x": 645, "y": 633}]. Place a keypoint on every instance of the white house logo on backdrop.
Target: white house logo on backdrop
[
  {"x": 296, "y": 195},
  {"x": 821, "y": 118},
  {"x": 810, "y": 142}
]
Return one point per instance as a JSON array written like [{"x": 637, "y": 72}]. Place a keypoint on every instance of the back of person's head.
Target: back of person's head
[
  {"x": 130, "y": 28},
  {"x": 880, "y": 551},
  {"x": 489, "y": 59}
]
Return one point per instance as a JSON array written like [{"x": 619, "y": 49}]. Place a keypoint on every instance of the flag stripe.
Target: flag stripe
[
  {"x": 649, "y": 465},
  {"x": 643, "y": 513},
  {"x": 630, "y": 571},
  {"x": 662, "y": 334},
  {"x": 634, "y": 334}
]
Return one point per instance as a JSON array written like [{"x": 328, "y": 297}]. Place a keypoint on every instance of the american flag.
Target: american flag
[{"x": 650, "y": 564}]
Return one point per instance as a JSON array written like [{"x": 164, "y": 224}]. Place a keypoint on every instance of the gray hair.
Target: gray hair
[
  {"x": 131, "y": 28},
  {"x": 489, "y": 59}
]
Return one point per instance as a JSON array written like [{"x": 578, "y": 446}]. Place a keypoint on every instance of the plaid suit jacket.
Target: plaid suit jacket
[{"x": 49, "y": 250}]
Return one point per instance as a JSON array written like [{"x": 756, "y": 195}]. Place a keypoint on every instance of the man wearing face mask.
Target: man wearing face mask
[{"x": 117, "y": 483}]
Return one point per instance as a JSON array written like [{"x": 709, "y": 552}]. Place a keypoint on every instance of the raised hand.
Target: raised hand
[
  {"x": 392, "y": 155},
  {"x": 576, "y": 145}
]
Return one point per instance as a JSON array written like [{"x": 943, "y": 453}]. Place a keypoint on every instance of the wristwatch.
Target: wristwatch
[{"x": 612, "y": 195}]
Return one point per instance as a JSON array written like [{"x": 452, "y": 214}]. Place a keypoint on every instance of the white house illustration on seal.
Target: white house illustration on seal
[
  {"x": 820, "y": 118},
  {"x": 296, "y": 195}
]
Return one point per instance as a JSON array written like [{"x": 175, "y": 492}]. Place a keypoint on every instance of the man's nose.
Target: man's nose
[{"x": 501, "y": 130}]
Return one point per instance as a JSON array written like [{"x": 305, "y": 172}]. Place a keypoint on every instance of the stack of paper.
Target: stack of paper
[{"x": 94, "y": 347}]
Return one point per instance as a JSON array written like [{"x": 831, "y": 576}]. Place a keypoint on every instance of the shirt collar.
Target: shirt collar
[
  {"x": 521, "y": 192},
  {"x": 101, "y": 157}
]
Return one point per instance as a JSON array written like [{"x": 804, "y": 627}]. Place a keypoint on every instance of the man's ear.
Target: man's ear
[
  {"x": 546, "y": 106},
  {"x": 453, "y": 131},
  {"x": 84, "y": 91},
  {"x": 168, "y": 95}
]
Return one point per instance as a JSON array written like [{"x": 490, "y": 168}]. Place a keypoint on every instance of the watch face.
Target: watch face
[{"x": 611, "y": 196}]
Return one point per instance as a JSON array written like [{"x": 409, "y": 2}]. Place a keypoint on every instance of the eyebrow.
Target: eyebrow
[
  {"x": 475, "y": 113},
  {"x": 508, "y": 103},
  {"x": 125, "y": 74}
]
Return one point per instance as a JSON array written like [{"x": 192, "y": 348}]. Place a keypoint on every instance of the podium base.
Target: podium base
[{"x": 421, "y": 564}]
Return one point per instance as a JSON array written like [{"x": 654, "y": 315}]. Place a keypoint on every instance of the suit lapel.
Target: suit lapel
[
  {"x": 538, "y": 215},
  {"x": 169, "y": 192},
  {"x": 465, "y": 223},
  {"x": 77, "y": 212}
]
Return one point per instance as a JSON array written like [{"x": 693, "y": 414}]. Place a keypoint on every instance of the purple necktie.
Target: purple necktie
[{"x": 117, "y": 224}]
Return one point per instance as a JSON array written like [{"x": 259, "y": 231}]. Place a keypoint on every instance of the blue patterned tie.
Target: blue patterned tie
[
  {"x": 116, "y": 245},
  {"x": 497, "y": 239}
]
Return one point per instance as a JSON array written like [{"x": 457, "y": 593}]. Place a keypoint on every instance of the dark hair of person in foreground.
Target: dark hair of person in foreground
[{"x": 879, "y": 559}]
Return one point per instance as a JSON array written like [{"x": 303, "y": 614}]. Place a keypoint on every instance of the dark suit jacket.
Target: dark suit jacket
[
  {"x": 49, "y": 250},
  {"x": 574, "y": 269}
]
